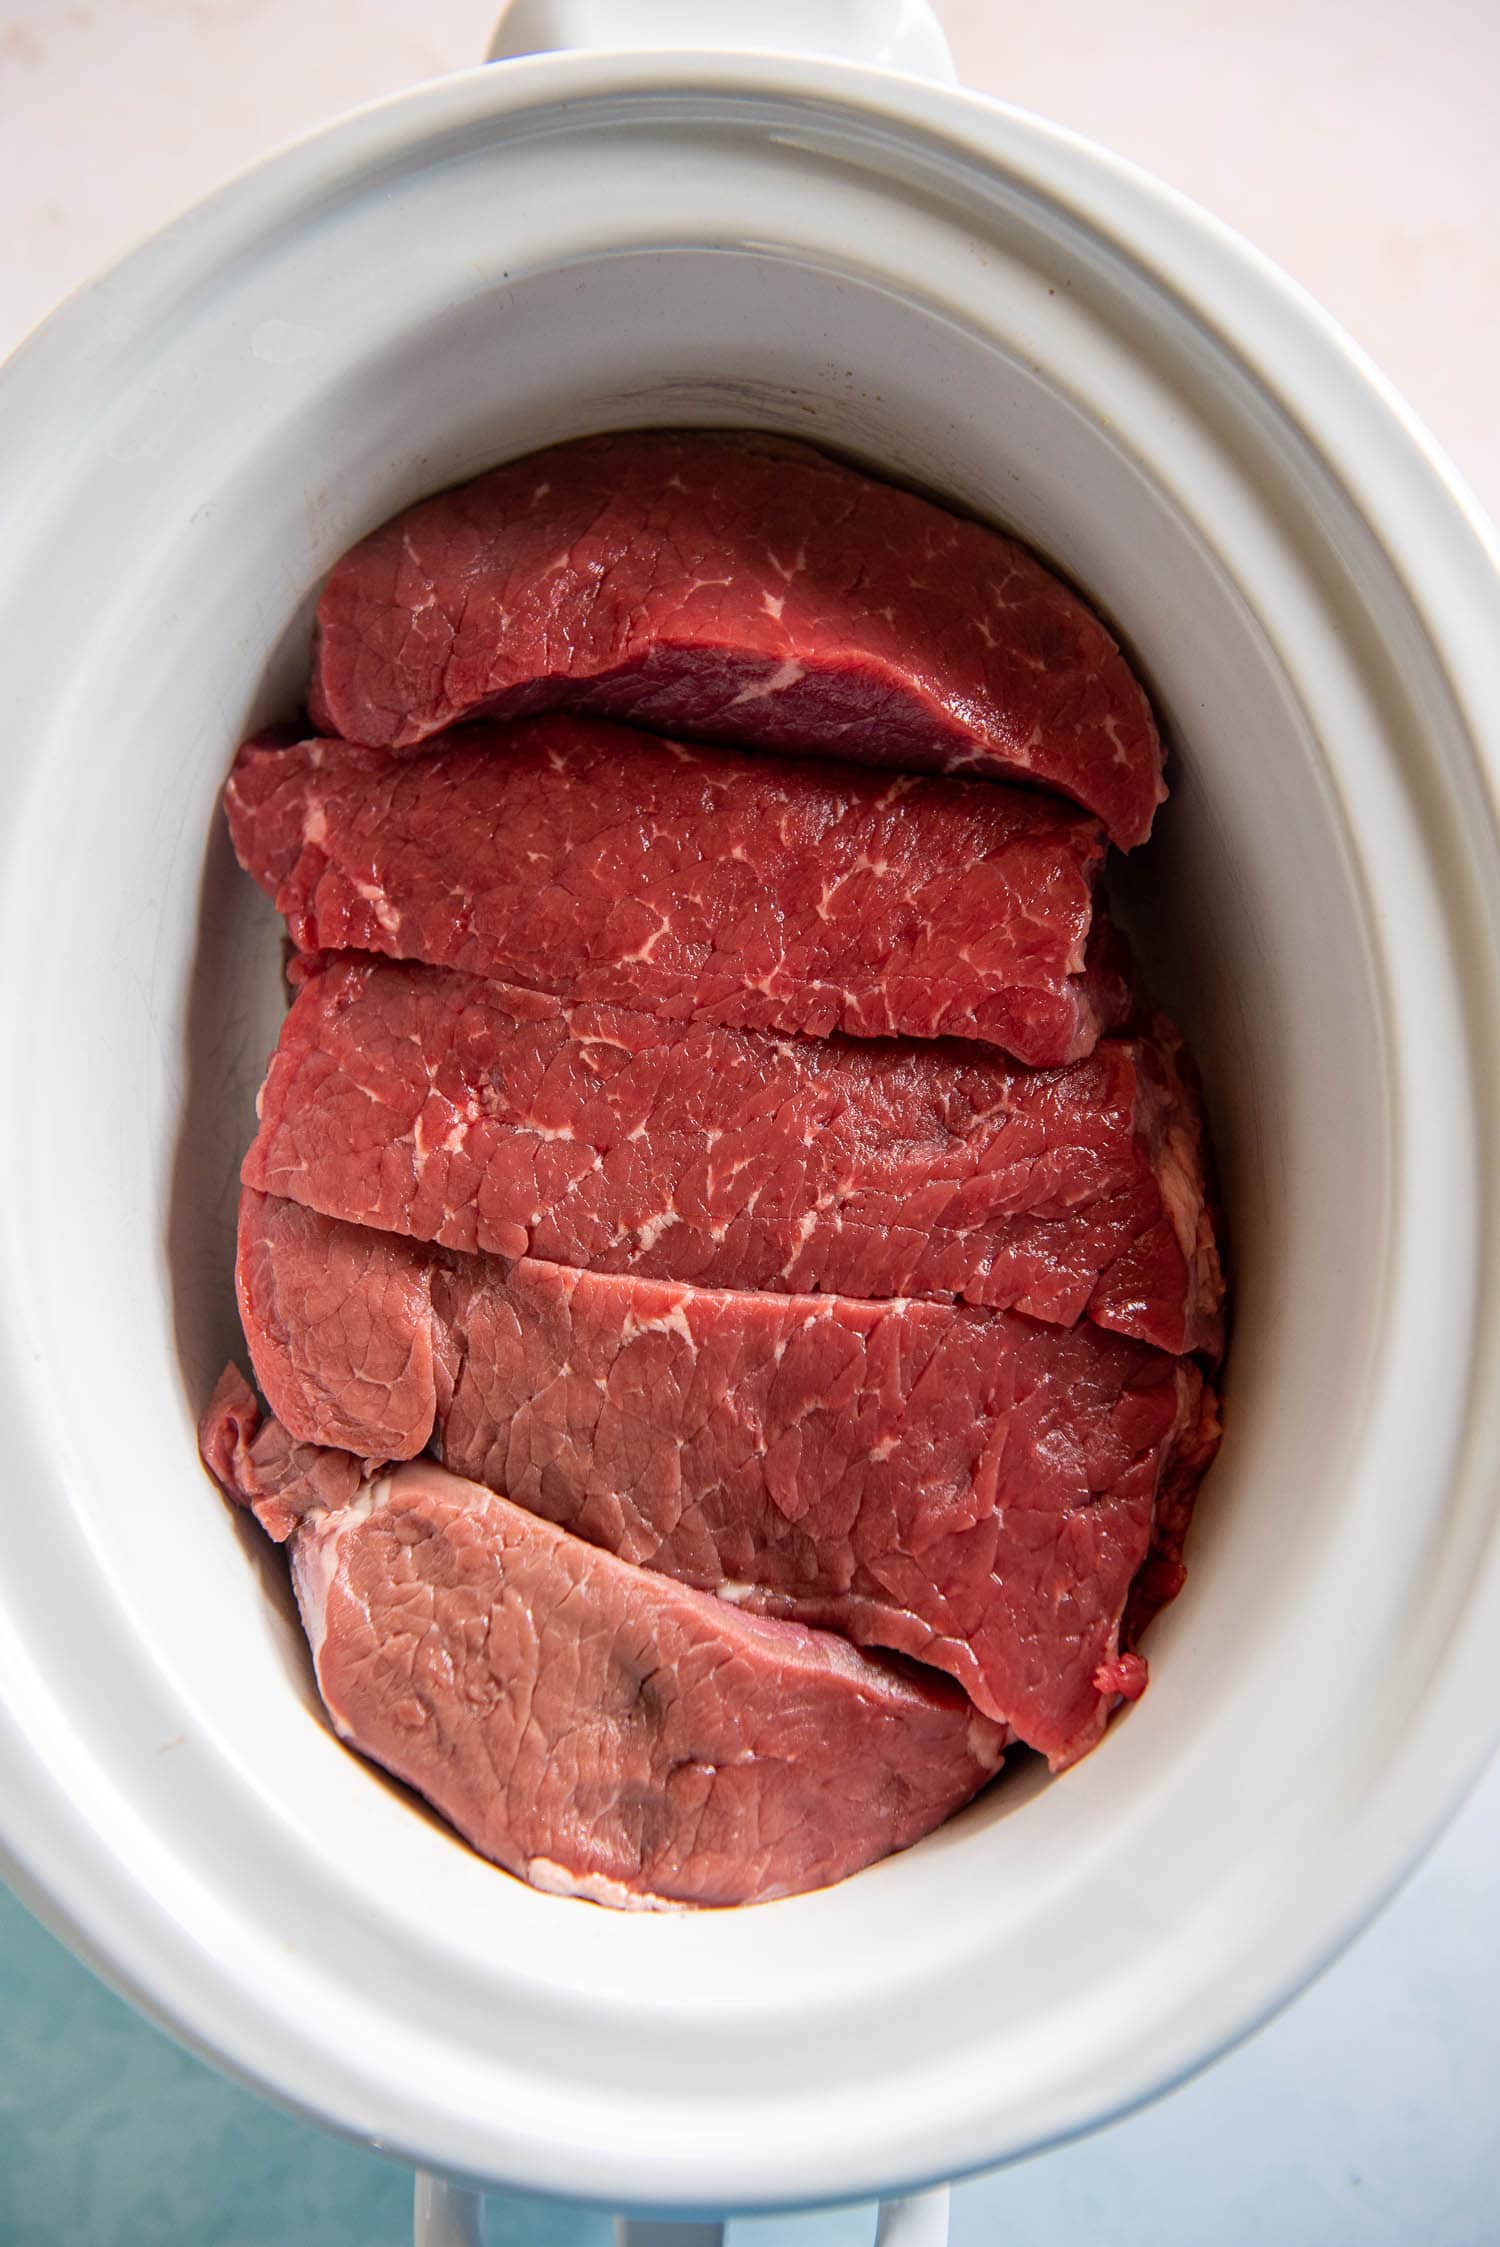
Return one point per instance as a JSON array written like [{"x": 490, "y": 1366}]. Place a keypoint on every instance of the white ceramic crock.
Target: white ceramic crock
[{"x": 964, "y": 296}]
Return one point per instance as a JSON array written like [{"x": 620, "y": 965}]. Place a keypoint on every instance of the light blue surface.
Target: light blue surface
[{"x": 1368, "y": 2116}]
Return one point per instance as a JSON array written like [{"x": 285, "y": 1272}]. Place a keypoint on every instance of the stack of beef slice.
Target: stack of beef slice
[{"x": 726, "y": 1252}]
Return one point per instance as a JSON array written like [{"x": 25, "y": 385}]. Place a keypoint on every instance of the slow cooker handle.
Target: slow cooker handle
[
  {"x": 901, "y": 35},
  {"x": 449, "y": 2216}
]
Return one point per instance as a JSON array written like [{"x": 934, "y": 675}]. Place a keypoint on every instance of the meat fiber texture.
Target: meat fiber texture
[
  {"x": 600, "y": 1732},
  {"x": 483, "y": 1117},
  {"x": 592, "y": 862},
  {"x": 739, "y": 587},
  {"x": 969, "y": 1488}
]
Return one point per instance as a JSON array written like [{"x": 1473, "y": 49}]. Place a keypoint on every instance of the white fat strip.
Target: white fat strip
[
  {"x": 650, "y": 1230},
  {"x": 587, "y": 1038},
  {"x": 1177, "y": 1179},
  {"x": 315, "y": 1562},
  {"x": 735, "y": 1594},
  {"x": 902, "y": 785},
  {"x": 805, "y": 1225},
  {"x": 552, "y": 1879},
  {"x": 785, "y": 675},
  {"x": 1121, "y": 753},
  {"x": 645, "y": 950},
  {"x": 386, "y": 915},
  {"x": 424, "y": 1145},
  {"x": 985, "y": 1743},
  {"x": 314, "y": 826},
  {"x": 670, "y": 1322}
]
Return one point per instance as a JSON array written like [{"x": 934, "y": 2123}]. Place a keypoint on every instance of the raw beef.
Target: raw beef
[
  {"x": 584, "y": 859},
  {"x": 265, "y": 1468},
  {"x": 340, "y": 1330},
  {"x": 599, "y": 1731},
  {"x": 741, "y": 587},
  {"x": 1162, "y": 1574},
  {"x": 967, "y": 1487},
  {"x": 484, "y": 1117}
]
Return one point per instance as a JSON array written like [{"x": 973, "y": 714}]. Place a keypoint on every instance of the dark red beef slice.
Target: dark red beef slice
[
  {"x": 483, "y": 1117},
  {"x": 1163, "y": 1572},
  {"x": 739, "y": 587},
  {"x": 970, "y": 1488},
  {"x": 596, "y": 863},
  {"x": 597, "y": 1730}
]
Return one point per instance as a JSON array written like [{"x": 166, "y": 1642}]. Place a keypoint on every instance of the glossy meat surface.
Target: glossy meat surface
[
  {"x": 594, "y": 862},
  {"x": 969, "y": 1488},
  {"x": 600, "y": 1732},
  {"x": 740, "y": 587},
  {"x": 481, "y": 1116}
]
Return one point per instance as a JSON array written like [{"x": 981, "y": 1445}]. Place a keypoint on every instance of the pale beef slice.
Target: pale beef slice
[
  {"x": 743, "y": 588},
  {"x": 483, "y": 1117},
  {"x": 597, "y": 863},
  {"x": 340, "y": 1330},
  {"x": 599, "y": 1732},
  {"x": 264, "y": 1468},
  {"x": 969, "y": 1488}
]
